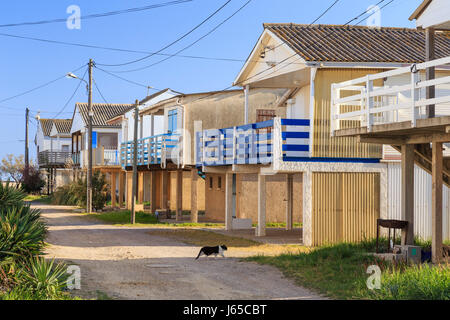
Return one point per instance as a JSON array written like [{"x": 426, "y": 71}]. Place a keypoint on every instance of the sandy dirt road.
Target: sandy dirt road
[{"x": 133, "y": 263}]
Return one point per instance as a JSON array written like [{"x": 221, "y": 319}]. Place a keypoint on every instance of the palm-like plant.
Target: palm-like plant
[
  {"x": 10, "y": 196},
  {"x": 22, "y": 232},
  {"x": 45, "y": 277}
]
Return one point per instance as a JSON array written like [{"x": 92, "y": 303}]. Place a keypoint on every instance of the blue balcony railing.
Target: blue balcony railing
[
  {"x": 151, "y": 150},
  {"x": 253, "y": 143}
]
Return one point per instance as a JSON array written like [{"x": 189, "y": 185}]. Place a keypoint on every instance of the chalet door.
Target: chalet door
[{"x": 264, "y": 115}]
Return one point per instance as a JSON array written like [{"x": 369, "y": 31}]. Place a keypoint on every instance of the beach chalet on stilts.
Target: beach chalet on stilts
[
  {"x": 53, "y": 145},
  {"x": 105, "y": 142},
  {"x": 407, "y": 108},
  {"x": 147, "y": 126},
  {"x": 343, "y": 180},
  {"x": 170, "y": 158}
]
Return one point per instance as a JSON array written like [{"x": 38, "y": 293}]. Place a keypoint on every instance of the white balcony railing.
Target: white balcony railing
[{"x": 401, "y": 98}]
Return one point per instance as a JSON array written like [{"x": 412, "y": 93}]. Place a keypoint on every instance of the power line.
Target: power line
[
  {"x": 98, "y": 15},
  {"x": 38, "y": 87},
  {"x": 190, "y": 45},
  {"x": 127, "y": 80},
  {"x": 173, "y": 42},
  {"x": 83, "y": 45},
  {"x": 73, "y": 94},
  {"x": 323, "y": 13},
  {"x": 98, "y": 89},
  {"x": 284, "y": 41}
]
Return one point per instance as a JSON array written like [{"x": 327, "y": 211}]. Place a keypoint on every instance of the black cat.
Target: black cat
[{"x": 207, "y": 251}]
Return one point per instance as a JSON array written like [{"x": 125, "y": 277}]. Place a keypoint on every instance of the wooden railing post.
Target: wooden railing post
[
  {"x": 369, "y": 103},
  {"x": 414, "y": 94}
]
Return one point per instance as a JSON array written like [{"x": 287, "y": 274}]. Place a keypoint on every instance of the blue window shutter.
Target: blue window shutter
[{"x": 94, "y": 139}]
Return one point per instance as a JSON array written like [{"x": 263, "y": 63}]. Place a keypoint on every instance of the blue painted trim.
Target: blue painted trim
[
  {"x": 295, "y": 135},
  {"x": 295, "y": 122},
  {"x": 295, "y": 147},
  {"x": 319, "y": 159}
]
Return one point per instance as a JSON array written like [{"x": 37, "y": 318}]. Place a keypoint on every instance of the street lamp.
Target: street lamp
[{"x": 91, "y": 114}]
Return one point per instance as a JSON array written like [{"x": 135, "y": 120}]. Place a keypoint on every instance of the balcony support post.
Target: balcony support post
[
  {"x": 436, "y": 202},
  {"x": 121, "y": 188},
  {"x": 179, "y": 196},
  {"x": 408, "y": 193},
  {"x": 261, "y": 227},
  {"x": 228, "y": 201},
  {"x": 289, "y": 201},
  {"x": 164, "y": 188},
  {"x": 113, "y": 189},
  {"x": 194, "y": 207},
  {"x": 153, "y": 191}
]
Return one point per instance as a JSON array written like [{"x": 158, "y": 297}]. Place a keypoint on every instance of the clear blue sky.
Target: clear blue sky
[{"x": 26, "y": 64}]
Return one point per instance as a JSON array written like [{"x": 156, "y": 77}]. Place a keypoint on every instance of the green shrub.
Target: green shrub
[
  {"x": 421, "y": 282},
  {"x": 75, "y": 193},
  {"x": 10, "y": 196},
  {"x": 22, "y": 232},
  {"x": 39, "y": 279}
]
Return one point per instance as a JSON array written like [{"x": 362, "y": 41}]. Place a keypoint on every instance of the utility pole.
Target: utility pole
[
  {"x": 27, "y": 160},
  {"x": 134, "y": 189},
  {"x": 89, "y": 170}
]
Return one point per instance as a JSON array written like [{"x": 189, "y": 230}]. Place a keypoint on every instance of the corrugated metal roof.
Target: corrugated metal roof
[
  {"x": 103, "y": 112},
  {"x": 339, "y": 43}
]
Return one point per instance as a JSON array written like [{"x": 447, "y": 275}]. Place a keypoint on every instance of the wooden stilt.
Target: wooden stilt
[
  {"x": 179, "y": 196},
  {"x": 229, "y": 201},
  {"x": 408, "y": 193},
  {"x": 436, "y": 202},
  {"x": 153, "y": 191},
  {"x": 289, "y": 201},
  {"x": 261, "y": 228},
  {"x": 113, "y": 189},
  {"x": 140, "y": 187},
  {"x": 121, "y": 188},
  {"x": 164, "y": 188},
  {"x": 194, "y": 208}
]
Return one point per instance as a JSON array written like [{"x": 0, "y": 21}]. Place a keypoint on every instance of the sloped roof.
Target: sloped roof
[
  {"x": 46, "y": 125},
  {"x": 152, "y": 96},
  {"x": 63, "y": 125},
  {"x": 103, "y": 112},
  {"x": 338, "y": 43}
]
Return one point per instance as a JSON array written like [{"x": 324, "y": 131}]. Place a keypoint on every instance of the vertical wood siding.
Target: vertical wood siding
[
  {"x": 345, "y": 206},
  {"x": 323, "y": 144}
]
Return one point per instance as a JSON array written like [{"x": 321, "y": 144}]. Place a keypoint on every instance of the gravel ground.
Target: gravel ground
[{"x": 133, "y": 263}]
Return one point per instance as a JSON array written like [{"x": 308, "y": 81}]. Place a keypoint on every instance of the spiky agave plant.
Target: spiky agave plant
[
  {"x": 44, "y": 278},
  {"x": 22, "y": 232},
  {"x": 10, "y": 196}
]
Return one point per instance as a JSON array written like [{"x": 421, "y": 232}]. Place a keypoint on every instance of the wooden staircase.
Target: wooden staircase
[{"x": 423, "y": 158}]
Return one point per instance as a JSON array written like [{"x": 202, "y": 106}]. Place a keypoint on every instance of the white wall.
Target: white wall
[
  {"x": 299, "y": 109},
  {"x": 422, "y": 199}
]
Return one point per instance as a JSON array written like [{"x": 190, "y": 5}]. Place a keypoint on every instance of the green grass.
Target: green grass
[
  {"x": 142, "y": 219},
  {"x": 339, "y": 271},
  {"x": 279, "y": 225},
  {"x": 38, "y": 198},
  {"x": 422, "y": 282}
]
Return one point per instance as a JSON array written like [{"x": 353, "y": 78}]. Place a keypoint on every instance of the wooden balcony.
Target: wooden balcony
[
  {"x": 256, "y": 143},
  {"x": 156, "y": 149},
  {"x": 53, "y": 158},
  {"x": 398, "y": 108}
]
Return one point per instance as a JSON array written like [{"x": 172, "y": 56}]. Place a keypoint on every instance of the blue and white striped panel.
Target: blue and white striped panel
[{"x": 296, "y": 137}]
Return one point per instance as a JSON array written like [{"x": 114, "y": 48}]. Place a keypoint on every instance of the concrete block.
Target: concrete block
[{"x": 239, "y": 224}]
